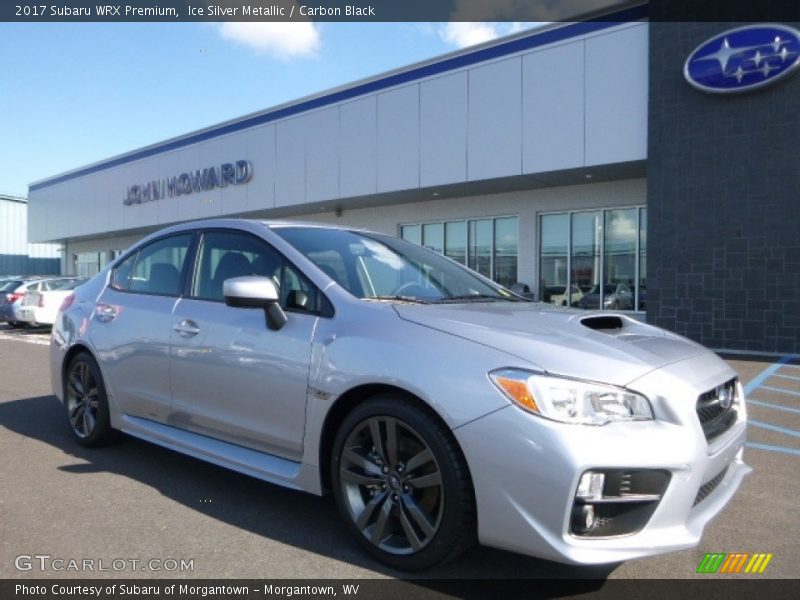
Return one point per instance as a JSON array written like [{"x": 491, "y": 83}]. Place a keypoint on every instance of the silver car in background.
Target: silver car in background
[{"x": 437, "y": 407}]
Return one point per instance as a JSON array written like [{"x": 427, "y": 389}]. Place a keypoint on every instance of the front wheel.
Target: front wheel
[
  {"x": 86, "y": 403},
  {"x": 402, "y": 484}
]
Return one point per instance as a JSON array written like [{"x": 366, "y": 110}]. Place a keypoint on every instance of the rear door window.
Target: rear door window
[{"x": 155, "y": 268}]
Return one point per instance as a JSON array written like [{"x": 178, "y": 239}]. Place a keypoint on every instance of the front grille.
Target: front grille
[
  {"x": 715, "y": 417},
  {"x": 709, "y": 487}
]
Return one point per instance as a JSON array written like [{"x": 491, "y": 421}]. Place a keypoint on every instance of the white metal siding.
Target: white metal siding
[
  {"x": 579, "y": 102},
  {"x": 495, "y": 120},
  {"x": 553, "y": 108},
  {"x": 357, "y": 147},
  {"x": 398, "y": 139},
  {"x": 616, "y": 96},
  {"x": 443, "y": 130}
]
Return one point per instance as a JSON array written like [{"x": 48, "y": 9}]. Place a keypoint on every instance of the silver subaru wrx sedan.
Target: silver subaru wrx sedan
[{"x": 437, "y": 407}]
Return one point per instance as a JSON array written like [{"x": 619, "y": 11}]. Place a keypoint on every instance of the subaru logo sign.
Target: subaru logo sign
[{"x": 744, "y": 59}]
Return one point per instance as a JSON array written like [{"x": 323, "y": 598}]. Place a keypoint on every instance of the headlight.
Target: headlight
[{"x": 571, "y": 400}]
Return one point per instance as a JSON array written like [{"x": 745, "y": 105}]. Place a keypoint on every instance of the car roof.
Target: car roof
[{"x": 244, "y": 224}]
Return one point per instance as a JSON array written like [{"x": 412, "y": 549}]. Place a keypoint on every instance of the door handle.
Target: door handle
[{"x": 186, "y": 328}]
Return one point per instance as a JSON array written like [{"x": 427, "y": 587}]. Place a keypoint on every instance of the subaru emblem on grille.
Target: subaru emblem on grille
[{"x": 724, "y": 396}]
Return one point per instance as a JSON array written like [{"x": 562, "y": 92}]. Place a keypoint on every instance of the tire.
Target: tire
[
  {"x": 14, "y": 324},
  {"x": 407, "y": 516},
  {"x": 86, "y": 403}
]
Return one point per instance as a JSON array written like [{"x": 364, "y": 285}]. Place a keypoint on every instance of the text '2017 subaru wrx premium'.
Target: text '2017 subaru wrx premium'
[{"x": 437, "y": 407}]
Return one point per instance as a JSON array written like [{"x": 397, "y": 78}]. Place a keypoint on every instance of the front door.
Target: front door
[{"x": 232, "y": 377}]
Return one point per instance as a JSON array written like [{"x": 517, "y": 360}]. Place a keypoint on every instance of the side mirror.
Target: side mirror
[
  {"x": 255, "y": 292},
  {"x": 522, "y": 289}
]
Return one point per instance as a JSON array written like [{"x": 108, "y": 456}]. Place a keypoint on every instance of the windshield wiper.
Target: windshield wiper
[
  {"x": 471, "y": 297},
  {"x": 413, "y": 299}
]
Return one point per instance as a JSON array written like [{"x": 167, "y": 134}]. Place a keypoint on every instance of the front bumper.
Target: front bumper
[{"x": 526, "y": 470}]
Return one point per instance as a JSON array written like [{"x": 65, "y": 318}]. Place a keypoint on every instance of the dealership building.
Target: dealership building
[{"x": 576, "y": 159}]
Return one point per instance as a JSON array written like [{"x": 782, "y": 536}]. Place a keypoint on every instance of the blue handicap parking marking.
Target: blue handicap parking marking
[
  {"x": 757, "y": 383},
  {"x": 787, "y": 376},
  {"x": 765, "y": 374},
  {"x": 764, "y": 404},
  {"x": 780, "y": 390},
  {"x": 771, "y": 448},
  {"x": 771, "y": 427}
]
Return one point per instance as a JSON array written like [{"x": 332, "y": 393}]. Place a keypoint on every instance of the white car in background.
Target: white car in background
[{"x": 40, "y": 307}]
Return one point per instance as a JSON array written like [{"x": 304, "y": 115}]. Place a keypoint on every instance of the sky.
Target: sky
[{"x": 75, "y": 93}]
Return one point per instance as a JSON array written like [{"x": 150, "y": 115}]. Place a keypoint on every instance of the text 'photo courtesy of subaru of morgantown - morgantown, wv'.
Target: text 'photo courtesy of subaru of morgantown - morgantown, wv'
[{"x": 437, "y": 407}]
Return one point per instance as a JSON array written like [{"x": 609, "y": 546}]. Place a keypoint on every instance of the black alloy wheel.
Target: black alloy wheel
[
  {"x": 86, "y": 403},
  {"x": 402, "y": 484}
]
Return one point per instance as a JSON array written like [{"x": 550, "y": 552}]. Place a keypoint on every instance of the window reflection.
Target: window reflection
[
  {"x": 594, "y": 259},
  {"x": 455, "y": 241},
  {"x": 587, "y": 231},
  {"x": 489, "y": 246},
  {"x": 621, "y": 231},
  {"x": 553, "y": 262},
  {"x": 642, "y": 295},
  {"x": 433, "y": 237},
  {"x": 480, "y": 247},
  {"x": 412, "y": 233},
  {"x": 505, "y": 251}
]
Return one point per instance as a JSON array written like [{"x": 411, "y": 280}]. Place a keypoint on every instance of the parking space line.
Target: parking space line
[
  {"x": 26, "y": 338},
  {"x": 781, "y": 390},
  {"x": 773, "y": 405},
  {"x": 766, "y": 373},
  {"x": 771, "y": 427},
  {"x": 771, "y": 448},
  {"x": 787, "y": 376}
]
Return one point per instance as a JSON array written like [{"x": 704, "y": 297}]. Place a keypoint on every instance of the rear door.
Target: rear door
[
  {"x": 133, "y": 323},
  {"x": 233, "y": 378}
]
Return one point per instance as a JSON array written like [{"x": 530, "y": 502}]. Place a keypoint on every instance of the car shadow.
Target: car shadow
[{"x": 290, "y": 517}]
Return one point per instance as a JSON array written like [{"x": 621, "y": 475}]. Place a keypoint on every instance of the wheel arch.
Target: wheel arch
[
  {"x": 74, "y": 350},
  {"x": 353, "y": 397}
]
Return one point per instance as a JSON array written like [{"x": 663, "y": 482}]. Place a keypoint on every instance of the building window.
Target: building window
[
  {"x": 594, "y": 259},
  {"x": 489, "y": 246}
]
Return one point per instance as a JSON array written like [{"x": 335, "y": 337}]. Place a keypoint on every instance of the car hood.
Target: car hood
[{"x": 596, "y": 345}]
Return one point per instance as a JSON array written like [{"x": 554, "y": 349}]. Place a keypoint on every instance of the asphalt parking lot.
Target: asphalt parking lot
[{"x": 136, "y": 501}]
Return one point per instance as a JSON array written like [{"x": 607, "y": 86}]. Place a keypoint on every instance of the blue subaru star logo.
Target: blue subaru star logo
[{"x": 744, "y": 58}]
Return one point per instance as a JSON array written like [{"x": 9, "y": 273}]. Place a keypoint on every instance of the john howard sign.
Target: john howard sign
[{"x": 200, "y": 180}]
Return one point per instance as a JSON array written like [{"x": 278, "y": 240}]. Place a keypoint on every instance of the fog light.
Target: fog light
[
  {"x": 589, "y": 519},
  {"x": 584, "y": 519},
  {"x": 590, "y": 486}
]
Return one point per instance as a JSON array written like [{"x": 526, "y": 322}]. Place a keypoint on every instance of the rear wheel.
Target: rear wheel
[
  {"x": 86, "y": 403},
  {"x": 402, "y": 484},
  {"x": 14, "y": 324}
]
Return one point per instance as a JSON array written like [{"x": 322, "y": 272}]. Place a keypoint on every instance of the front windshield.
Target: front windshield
[{"x": 382, "y": 267}]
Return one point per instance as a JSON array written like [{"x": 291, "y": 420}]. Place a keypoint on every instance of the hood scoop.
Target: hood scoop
[{"x": 603, "y": 323}]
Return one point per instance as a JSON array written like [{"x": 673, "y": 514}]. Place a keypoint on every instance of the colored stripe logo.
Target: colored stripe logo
[{"x": 734, "y": 563}]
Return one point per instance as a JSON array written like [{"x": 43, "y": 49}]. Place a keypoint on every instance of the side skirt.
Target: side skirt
[{"x": 280, "y": 471}]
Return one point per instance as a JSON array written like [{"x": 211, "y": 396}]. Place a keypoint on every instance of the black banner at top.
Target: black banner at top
[
  {"x": 396, "y": 10},
  {"x": 314, "y": 10}
]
